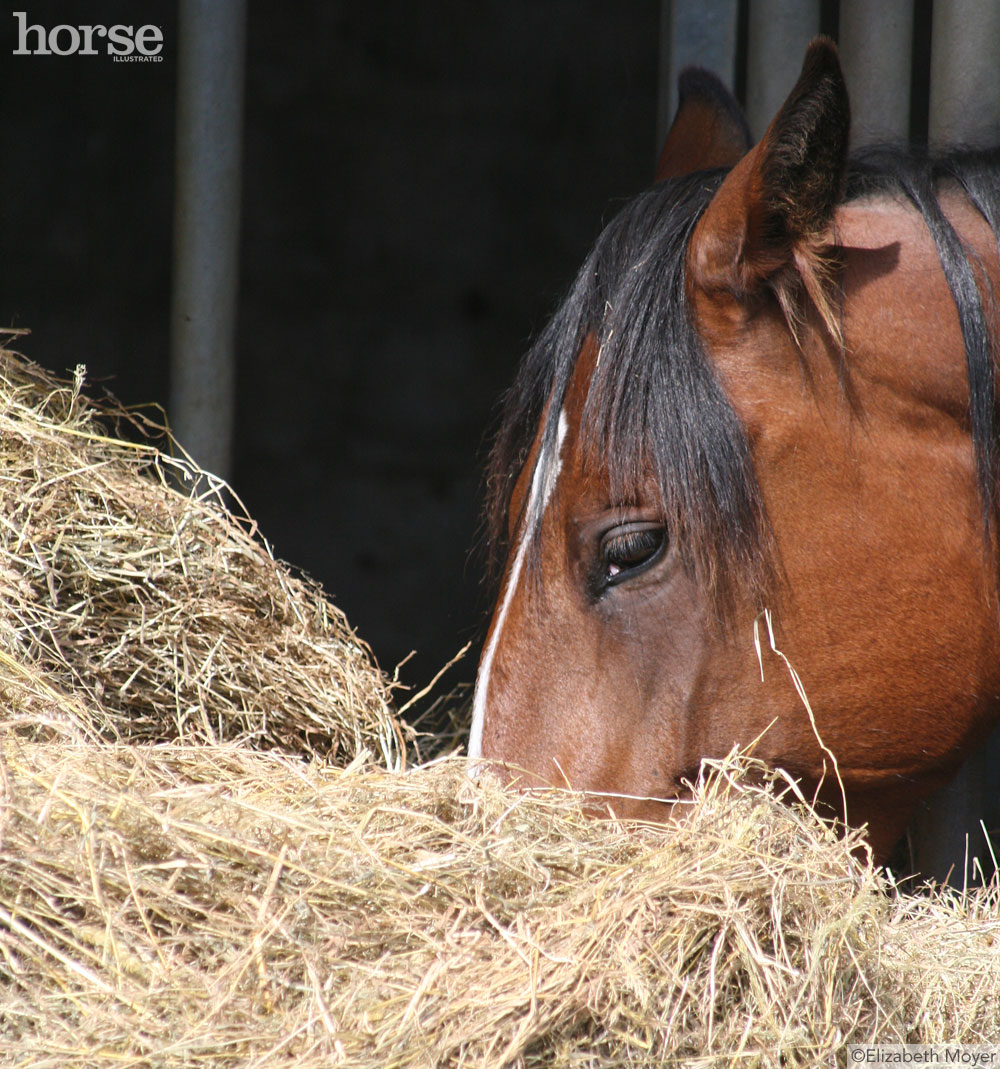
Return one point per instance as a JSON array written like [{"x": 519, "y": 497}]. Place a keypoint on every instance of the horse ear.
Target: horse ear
[
  {"x": 708, "y": 130},
  {"x": 773, "y": 210}
]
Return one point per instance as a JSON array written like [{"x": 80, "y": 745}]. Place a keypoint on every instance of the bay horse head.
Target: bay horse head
[{"x": 770, "y": 388}]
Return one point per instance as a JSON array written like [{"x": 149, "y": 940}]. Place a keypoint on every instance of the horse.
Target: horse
[{"x": 763, "y": 419}]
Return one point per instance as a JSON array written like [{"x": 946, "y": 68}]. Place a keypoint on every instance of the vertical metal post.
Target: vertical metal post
[
  {"x": 876, "y": 42},
  {"x": 206, "y": 228},
  {"x": 698, "y": 33},
  {"x": 777, "y": 36},
  {"x": 965, "y": 73}
]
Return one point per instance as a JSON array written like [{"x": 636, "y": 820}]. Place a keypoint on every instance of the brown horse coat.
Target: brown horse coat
[{"x": 806, "y": 426}]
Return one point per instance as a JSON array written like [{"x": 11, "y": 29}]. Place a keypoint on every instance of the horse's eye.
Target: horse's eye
[{"x": 629, "y": 549}]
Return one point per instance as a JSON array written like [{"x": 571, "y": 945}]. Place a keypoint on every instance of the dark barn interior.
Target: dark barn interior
[{"x": 420, "y": 184}]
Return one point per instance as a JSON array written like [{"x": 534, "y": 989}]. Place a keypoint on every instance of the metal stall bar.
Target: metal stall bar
[
  {"x": 777, "y": 36},
  {"x": 876, "y": 43},
  {"x": 206, "y": 228},
  {"x": 699, "y": 33},
  {"x": 965, "y": 73}
]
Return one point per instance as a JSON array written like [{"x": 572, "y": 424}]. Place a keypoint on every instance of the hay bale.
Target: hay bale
[
  {"x": 190, "y": 905},
  {"x": 139, "y": 609}
]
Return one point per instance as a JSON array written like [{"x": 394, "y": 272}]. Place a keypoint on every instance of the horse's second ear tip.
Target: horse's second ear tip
[
  {"x": 821, "y": 43},
  {"x": 822, "y": 53},
  {"x": 698, "y": 81}
]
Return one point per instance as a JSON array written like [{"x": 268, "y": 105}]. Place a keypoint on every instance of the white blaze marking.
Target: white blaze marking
[{"x": 543, "y": 484}]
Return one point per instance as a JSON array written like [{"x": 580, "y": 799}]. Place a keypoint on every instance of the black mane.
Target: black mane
[
  {"x": 655, "y": 402},
  {"x": 918, "y": 176}
]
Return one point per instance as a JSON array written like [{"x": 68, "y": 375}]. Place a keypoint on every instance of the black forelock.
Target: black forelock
[{"x": 654, "y": 403}]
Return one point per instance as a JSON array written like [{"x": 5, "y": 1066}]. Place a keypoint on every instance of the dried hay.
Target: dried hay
[
  {"x": 149, "y": 610},
  {"x": 211, "y": 905},
  {"x": 212, "y": 901}
]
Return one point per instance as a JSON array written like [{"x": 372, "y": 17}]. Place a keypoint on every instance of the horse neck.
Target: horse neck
[{"x": 902, "y": 329}]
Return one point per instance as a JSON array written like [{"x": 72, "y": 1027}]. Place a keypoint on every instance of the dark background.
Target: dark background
[{"x": 421, "y": 182}]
